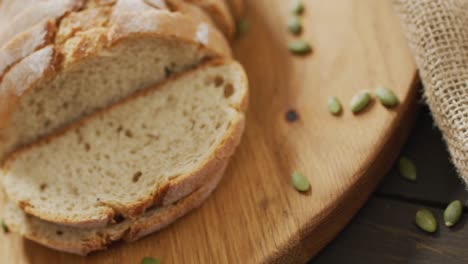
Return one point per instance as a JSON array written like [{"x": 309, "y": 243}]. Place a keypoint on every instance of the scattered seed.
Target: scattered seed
[
  {"x": 360, "y": 101},
  {"x": 452, "y": 213},
  {"x": 292, "y": 116},
  {"x": 295, "y": 25},
  {"x": 148, "y": 260},
  {"x": 299, "y": 47},
  {"x": 297, "y": 7},
  {"x": 242, "y": 27},
  {"x": 386, "y": 96},
  {"x": 5, "y": 227},
  {"x": 407, "y": 169},
  {"x": 426, "y": 220},
  {"x": 334, "y": 105},
  {"x": 300, "y": 182}
]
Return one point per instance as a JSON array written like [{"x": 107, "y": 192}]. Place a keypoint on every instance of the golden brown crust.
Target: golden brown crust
[
  {"x": 82, "y": 21},
  {"x": 39, "y": 65},
  {"x": 220, "y": 14},
  {"x": 30, "y": 14},
  {"x": 26, "y": 43},
  {"x": 170, "y": 25},
  {"x": 178, "y": 187},
  {"x": 128, "y": 230},
  {"x": 99, "y": 3}
]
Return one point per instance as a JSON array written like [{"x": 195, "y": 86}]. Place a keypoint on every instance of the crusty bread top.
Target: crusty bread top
[
  {"x": 219, "y": 12},
  {"x": 21, "y": 15},
  {"x": 196, "y": 126},
  {"x": 72, "y": 18},
  {"x": 25, "y": 30},
  {"x": 26, "y": 43}
]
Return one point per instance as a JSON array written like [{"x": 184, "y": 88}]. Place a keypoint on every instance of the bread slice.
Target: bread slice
[
  {"x": 84, "y": 241},
  {"x": 97, "y": 56},
  {"x": 153, "y": 148}
]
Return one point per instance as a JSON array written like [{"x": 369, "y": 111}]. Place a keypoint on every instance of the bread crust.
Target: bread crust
[
  {"x": 128, "y": 230},
  {"x": 219, "y": 12},
  {"x": 26, "y": 43},
  {"x": 174, "y": 189},
  {"x": 27, "y": 73},
  {"x": 162, "y": 24},
  {"x": 24, "y": 14}
]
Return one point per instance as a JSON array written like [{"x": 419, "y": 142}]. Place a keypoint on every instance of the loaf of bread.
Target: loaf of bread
[{"x": 117, "y": 117}]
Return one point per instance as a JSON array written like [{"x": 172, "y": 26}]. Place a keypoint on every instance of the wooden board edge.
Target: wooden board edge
[{"x": 312, "y": 238}]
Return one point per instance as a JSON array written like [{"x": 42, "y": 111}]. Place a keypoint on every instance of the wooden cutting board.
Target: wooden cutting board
[{"x": 256, "y": 215}]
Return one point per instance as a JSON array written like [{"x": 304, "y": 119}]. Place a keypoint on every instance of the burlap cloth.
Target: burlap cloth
[{"x": 437, "y": 32}]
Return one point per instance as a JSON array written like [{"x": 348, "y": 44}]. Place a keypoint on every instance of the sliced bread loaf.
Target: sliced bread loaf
[
  {"x": 93, "y": 57},
  {"x": 152, "y": 148},
  {"x": 84, "y": 241}
]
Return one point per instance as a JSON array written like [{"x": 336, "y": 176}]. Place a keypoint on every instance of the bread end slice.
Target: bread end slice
[{"x": 85, "y": 241}]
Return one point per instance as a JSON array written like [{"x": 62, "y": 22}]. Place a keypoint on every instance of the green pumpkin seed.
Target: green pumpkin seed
[
  {"x": 299, "y": 47},
  {"x": 300, "y": 182},
  {"x": 334, "y": 105},
  {"x": 360, "y": 101},
  {"x": 426, "y": 220},
  {"x": 386, "y": 96},
  {"x": 295, "y": 25},
  {"x": 452, "y": 213},
  {"x": 297, "y": 7},
  {"x": 5, "y": 227},
  {"x": 242, "y": 27},
  {"x": 407, "y": 169},
  {"x": 148, "y": 260}
]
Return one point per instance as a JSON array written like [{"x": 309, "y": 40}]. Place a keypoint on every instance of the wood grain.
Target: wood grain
[
  {"x": 438, "y": 182},
  {"x": 255, "y": 215},
  {"x": 384, "y": 232}
]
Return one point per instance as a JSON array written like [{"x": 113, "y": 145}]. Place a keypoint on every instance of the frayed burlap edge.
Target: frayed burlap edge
[{"x": 437, "y": 31}]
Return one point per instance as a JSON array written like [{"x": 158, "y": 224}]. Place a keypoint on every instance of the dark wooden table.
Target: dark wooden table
[{"x": 384, "y": 230}]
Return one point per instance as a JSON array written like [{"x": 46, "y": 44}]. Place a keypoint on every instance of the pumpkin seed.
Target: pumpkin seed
[
  {"x": 407, "y": 169},
  {"x": 426, "y": 220},
  {"x": 242, "y": 27},
  {"x": 386, "y": 96},
  {"x": 295, "y": 25},
  {"x": 297, "y": 7},
  {"x": 300, "y": 182},
  {"x": 452, "y": 213},
  {"x": 148, "y": 260},
  {"x": 360, "y": 101},
  {"x": 5, "y": 227},
  {"x": 299, "y": 47},
  {"x": 334, "y": 105}
]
